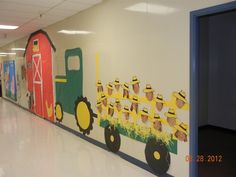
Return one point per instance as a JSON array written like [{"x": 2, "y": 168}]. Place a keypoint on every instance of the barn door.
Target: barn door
[{"x": 37, "y": 84}]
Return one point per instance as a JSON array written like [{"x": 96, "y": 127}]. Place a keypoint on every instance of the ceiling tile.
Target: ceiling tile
[
  {"x": 72, "y": 6},
  {"x": 35, "y": 3},
  {"x": 19, "y": 7},
  {"x": 86, "y": 1},
  {"x": 26, "y": 14}
]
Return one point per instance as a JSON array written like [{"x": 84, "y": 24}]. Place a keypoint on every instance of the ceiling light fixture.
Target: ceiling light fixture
[
  {"x": 1, "y": 55},
  {"x": 6, "y": 53},
  {"x": 10, "y": 27},
  {"x": 151, "y": 8},
  {"x": 74, "y": 32},
  {"x": 18, "y": 49}
]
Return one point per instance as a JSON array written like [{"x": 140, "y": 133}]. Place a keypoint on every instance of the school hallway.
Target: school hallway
[{"x": 33, "y": 147}]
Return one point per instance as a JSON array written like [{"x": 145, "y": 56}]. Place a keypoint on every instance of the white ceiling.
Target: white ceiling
[{"x": 31, "y": 15}]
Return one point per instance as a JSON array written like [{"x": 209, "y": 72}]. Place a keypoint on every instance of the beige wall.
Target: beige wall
[{"x": 154, "y": 45}]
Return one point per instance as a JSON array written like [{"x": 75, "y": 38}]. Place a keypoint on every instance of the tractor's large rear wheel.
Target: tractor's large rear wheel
[
  {"x": 157, "y": 156},
  {"x": 84, "y": 115},
  {"x": 112, "y": 138},
  {"x": 58, "y": 112}
]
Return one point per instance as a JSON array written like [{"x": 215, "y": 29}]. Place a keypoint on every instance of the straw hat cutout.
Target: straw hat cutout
[
  {"x": 180, "y": 98},
  {"x": 135, "y": 84},
  {"x": 117, "y": 84},
  {"x": 109, "y": 89},
  {"x": 144, "y": 115},
  {"x": 159, "y": 102},
  {"x": 171, "y": 117},
  {"x": 149, "y": 92},
  {"x": 126, "y": 90},
  {"x": 99, "y": 86}
]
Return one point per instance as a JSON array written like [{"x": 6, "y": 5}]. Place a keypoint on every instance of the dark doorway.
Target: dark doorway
[{"x": 217, "y": 95}]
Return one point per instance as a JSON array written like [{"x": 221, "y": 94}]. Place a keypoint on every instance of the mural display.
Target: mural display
[
  {"x": 123, "y": 109},
  {"x": 39, "y": 59},
  {"x": 69, "y": 92},
  {"x": 133, "y": 101},
  {"x": 9, "y": 74}
]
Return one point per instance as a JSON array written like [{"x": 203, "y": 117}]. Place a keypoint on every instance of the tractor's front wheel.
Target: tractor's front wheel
[
  {"x": 58, "y": 112},
  {"x": 112, "y": 138},
  {"x": 84, "y": 115},
  {"x": 157, "y": 156}
]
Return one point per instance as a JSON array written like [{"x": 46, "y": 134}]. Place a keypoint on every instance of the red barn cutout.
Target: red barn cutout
[{"x": 39, "y": 59}]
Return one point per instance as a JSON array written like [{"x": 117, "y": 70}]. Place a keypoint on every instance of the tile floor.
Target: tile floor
[{"x": 33, "y": 147}]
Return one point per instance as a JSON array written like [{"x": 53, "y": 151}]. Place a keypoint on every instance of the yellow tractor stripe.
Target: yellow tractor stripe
[
  {"x": 97, "y": 67},
  {"x": 60, "y": 80},
  {"x": 97, "y": 78}
]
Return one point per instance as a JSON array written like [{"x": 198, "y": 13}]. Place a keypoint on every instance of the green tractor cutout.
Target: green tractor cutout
[{"x": 69, "y": 92}]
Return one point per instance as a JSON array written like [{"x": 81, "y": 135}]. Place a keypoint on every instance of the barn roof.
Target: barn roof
[{"x": 38, "y": 32}]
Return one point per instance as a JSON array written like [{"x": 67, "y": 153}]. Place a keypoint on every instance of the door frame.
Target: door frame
[
  {"x": 194, "y": 68},
  {"x": 41, "y": 84}
]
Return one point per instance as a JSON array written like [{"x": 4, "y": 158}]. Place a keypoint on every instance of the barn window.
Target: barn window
[
  {"x": 35, "y": 45},
  {"x": 73, "y": 63}
]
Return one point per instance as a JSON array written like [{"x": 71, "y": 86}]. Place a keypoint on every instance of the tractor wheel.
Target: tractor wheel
[
  {"x": 157, "y": 156},
  {"x": 112, "y": 138},
  {"x": 58, "y": 112},
  {"x": 84, "y": 115}
]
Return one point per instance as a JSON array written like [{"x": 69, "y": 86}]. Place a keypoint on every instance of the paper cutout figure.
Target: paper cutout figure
[
  {"x": 111, "y": 109},
  {"x": 126, "y": 112},
  {"x": 109, "y": 89},
  {"x": 157, "y": 124},
  {"x": 135, "y": 84},
  {"x": 104, "y": 99},
  {"x": 134, "y": 104},
  {"x": 99, "y": 106},
  {"x": 181, "y": 132},
  {"x": 178, "y": 101},
  {"x": 171, "y": 117},
  {"x": 149, "y": 92},
  {"x": 180, "y": 98},
  {"x": 99, "y": 86},
  {"x": 126, "y": 90},
  {"x": 144, "y": 115},
  {"x": 159, "y": 102},
  {"x": 117, "y": 84},
  {"x": 118, "y": 105}
]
